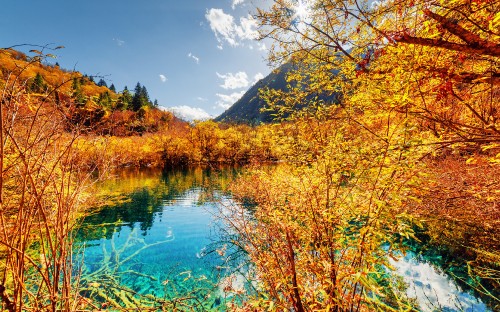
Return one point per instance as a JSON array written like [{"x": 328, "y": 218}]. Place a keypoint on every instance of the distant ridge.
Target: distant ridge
[{"x": 247, "y": 108}]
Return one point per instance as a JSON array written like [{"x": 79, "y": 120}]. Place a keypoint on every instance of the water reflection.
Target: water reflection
[
  {"x": 140, "y": 196},
  {"x": 433, "y": 289}
]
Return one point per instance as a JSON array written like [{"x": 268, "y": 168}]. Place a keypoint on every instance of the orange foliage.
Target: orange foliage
[
  {"x": 461, "y": 201},
  {"x": 12, "y": 62},
  {"x": 177, "y": 143}
]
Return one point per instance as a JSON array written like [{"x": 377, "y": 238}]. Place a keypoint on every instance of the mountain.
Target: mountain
[{"x": 247, "y": 108}]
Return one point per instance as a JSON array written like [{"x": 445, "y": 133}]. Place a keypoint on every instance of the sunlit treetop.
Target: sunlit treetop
[{"x": 435, "y": 60}]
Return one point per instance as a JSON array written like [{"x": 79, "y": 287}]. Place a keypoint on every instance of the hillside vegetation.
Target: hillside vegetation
[{"x": 87, "y": 105}]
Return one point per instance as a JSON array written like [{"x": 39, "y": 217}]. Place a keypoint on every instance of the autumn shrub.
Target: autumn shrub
[
  {"x": 181, "y": 145},
  {"x": 325, "y": 224},
  {"x": 41, "y": 190},
  {"x": 459, "y": 202}
]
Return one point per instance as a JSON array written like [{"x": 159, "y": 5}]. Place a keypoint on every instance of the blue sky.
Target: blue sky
[{"x": 195, "y": 55}]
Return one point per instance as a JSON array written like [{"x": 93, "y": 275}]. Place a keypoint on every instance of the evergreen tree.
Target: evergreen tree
[
  {"x": 155, "y": 103},
  {"x": 145, "y": 96},
  {"x": 125, "y": 99},
  {"x": 136, "y": 101},
  {"x": 141, "y": 97},
  {"x": 77, "y": 95},
  {"x": 105, "y": 100},
  {"x": 112, "y": 88},
  {"x": 102, "y": 83},
  {"x": 38, "y": 85}
]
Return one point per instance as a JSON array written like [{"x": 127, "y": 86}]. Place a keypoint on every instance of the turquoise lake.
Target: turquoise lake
[
  {"x": 157, "y": 242},
  {"x": 160, "y": 240}
]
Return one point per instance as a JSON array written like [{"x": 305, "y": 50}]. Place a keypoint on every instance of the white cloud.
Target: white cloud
[
  {"x": 377, "y": 4},
  {"x": 188, "y": 113},
  {"x": 163, "y": 78},
  {"x": 222, "y": 25},
  {"x": 194, "y": 57},
  {"x": 236, "y": 3},
  {"x": 431, "y": 287},
  {"x": 234, "y": 81},
  {"x": 257, "y": 77},
  {"x": 226, "y": 100},
  {"x": 247, "y": 29},
  {"x": 119, "y": 42},
  {"x": 225, "y": 28},
  {"x": 201, "y": 99}
]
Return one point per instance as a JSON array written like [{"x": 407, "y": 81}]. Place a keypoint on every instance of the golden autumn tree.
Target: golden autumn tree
[
  {"x": 412, "y": 80},
  {"x": 440, "y": 57}
]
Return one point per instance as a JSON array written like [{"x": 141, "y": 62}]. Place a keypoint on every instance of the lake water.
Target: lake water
[
  {"x": 433, "y": 289},
  {"x": 157, "y": 242}
]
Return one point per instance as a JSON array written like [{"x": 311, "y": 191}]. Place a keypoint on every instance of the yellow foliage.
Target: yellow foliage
[{"x": 415, "y": 82}]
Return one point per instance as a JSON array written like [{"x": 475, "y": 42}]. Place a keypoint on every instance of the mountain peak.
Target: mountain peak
[{"x": 248, "y": 108}]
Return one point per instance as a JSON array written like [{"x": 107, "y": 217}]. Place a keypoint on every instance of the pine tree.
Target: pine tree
[
  {"x": 141, "y": 97},
  {"x": 78, "y": 97},
  {"x": 112, "y": 88},
  {"x": 38, "y": 85},
  {"x": 102, "y": 83},
  {"x": 125, "y": 99},
  {"x": 144, "y": 94},
  {"x": 136, "y": 100},
  {"x": 105, "y": 100}
]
